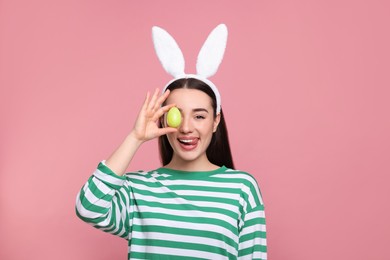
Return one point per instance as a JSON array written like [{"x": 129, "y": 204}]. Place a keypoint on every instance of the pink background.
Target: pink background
[{"x": 305, "y": 89}]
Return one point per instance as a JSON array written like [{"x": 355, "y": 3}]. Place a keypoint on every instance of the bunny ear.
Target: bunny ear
[
  {"x": 168, "y": 52},
  {"x": 211, "y": 54}
]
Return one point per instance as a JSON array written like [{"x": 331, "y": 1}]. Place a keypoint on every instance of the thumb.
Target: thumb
[{"x": 166, "y": 130}]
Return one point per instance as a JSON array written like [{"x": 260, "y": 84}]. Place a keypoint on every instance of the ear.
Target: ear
[
  {"x": 216, "y": 122},
  {"x": 212, "y": 51},
  {"x": 168, "y": 52}
]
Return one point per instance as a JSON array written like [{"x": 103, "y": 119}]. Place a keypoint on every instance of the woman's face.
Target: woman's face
[{"x": 190, "y": 142}]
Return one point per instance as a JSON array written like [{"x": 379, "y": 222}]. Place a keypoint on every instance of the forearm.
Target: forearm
[
  {"x": 122, "y": 156},
  {"x": 104, "y": 202}
]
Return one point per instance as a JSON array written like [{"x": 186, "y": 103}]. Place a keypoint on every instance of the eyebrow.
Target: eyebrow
[
  {"x": 200, "y": 110},
  {"x": 197, "y": 110}
]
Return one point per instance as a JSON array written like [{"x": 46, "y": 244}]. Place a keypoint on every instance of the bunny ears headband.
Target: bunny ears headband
[{"x": 209, "y": 57}]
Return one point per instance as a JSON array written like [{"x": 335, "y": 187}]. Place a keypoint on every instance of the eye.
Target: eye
[{"x": 199, "y": 117}]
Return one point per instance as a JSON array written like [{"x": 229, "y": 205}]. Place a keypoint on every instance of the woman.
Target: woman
[{"x": 195, "y": 206}]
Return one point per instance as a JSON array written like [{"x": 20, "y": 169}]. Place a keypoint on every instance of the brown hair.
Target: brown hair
[{"x": 218, "y": 151}]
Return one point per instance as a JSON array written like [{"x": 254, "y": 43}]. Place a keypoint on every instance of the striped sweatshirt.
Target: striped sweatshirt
[{"x": 171, "y": 214}]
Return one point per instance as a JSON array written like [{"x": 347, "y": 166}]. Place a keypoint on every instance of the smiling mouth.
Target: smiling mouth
[{"x": 192, "y": 141}]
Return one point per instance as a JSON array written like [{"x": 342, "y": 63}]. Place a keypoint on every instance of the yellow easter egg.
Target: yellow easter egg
[{"x": 174, "y": 117}]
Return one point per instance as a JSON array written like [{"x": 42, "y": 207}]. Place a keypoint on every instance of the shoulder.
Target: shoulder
[
  {"x": 243, "y": 177},
  {"x": 144, "y": 175},
  {"x": 249, "y": 189}
]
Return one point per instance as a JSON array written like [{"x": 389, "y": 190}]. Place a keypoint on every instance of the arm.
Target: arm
[
  {"x": 145, "y": 129},
  {"x": 252, "y": 239},
  {"x": 105, "y": 200},
  {"x": 252, "y": 232}
]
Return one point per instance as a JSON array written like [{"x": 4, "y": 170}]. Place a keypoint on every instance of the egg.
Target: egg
[{"x": 174, "y": 117}]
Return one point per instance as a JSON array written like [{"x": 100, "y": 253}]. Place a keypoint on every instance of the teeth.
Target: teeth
[{"x": 185, "y": 140}]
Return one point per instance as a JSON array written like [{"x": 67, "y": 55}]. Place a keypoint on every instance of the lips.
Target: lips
[{"x": 188, "y": 143}]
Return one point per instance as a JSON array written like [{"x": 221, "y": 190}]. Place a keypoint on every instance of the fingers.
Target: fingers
[
  {"x": 156, "y": 100},
  {"x": 146, "y": 102},
  {"x": 166, "y": 130},
  {"x": 152, "y": 106},
  {"x": 161, "y": 111},
  {"x": 161, "y": 100},
  {"x": 153, "y": 100}
]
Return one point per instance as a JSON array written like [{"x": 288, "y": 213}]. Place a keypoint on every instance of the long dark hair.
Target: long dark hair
[{"x": 218, "y": 151}]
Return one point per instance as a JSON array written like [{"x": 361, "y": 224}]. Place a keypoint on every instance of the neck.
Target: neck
[{"x": 200, "y": 164}]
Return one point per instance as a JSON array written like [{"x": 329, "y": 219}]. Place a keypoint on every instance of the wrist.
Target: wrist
[{"x": 132, "y": 138}]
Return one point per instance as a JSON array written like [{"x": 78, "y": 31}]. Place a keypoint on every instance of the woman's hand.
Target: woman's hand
[{"x": 146, "y": 125}]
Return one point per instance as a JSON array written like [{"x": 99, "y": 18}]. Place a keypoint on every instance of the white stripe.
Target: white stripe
[
  {"x": 251, "y": 199},
  {"x": 260, "y": 255},
  {"x": 120, "y": 216},
  {"x": 252, "y": 229},
  {"x": 186, "y": 225},
  {"x": 191, "y": 183},
  {"x": 102, "y": 186},
  {"x": 213, "y": 184},
  {"x": 104, "y": 225},
  {"x": 255, "y": 255},
  {"x": 157, "y": 175},
  {"x": 237, "y": 176},
  {"x": 188, "y": 213},
  {"x": 154, "y": 174},
  {"x": 181, "y": 201},
  {"x": 175, "y": 251},
  {"x": 243, "y": 176},
  {"x": 208, "y": 194},
  {"x": 85, "y": 212},
  {"x": 252, "y": 242},
  {"x": 93, "y": 215},
  {"x": 255, "y": 214},
  {"x": 108, "y": 178},
  {"x": 151, "y": 189},
  {"x": 95, "y": 200},
  {"x": 204, "y": 184},
  {"x": 185, "y": 238}
]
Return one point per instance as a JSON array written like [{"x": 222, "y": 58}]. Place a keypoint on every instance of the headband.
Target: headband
[{"x": 209, "y": 58}]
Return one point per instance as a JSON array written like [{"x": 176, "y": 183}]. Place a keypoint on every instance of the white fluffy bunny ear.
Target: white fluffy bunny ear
[
  {"x": 168, "y": 52},
  {"x": 212, "y": 51}
]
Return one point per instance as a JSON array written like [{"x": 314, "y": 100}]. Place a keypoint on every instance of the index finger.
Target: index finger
[{"x": 161, "y": 99}]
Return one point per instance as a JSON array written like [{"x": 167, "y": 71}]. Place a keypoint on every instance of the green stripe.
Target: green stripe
[
  {"x": 186, "y": 232},
  {"x": 181, "y": 245},
  {"x": 250, "y": 250},
  {"x": 126, "y": 194},
  {"x": 149, "y": 256},
  {"x": 200, "y": 220},
  {"x": 253, "y": 235},
  {"x": 186, "y": 207},
  {"x": 170, "y": 195},
  {"x": 150, "y": 183},
  {"x": 96, "y": 191}
]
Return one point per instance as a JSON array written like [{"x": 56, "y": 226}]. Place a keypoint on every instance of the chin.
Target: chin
[{"x": 187, "y": 157}]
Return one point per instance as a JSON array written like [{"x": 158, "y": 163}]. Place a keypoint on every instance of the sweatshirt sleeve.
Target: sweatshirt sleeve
[
  {"x": 104, "y": 202},
  {"x": 252, "y": 235}
]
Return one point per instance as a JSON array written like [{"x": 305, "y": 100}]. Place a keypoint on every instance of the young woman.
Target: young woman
[{"x": 196, "y": 206}]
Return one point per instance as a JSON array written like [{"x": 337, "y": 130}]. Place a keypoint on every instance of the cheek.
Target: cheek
[
  {"x": 170, "y": 138},
  {"x": 207, "y": 129}
]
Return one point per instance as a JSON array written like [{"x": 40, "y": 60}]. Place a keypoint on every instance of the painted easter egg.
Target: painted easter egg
[{"x": 174, "y": 117}]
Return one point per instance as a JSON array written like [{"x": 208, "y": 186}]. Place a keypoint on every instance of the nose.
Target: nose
[{"x": 186, "y": 125}]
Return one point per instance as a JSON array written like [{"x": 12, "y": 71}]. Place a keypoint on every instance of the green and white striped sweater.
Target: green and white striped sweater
[{"x": 170, "y": 214}]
